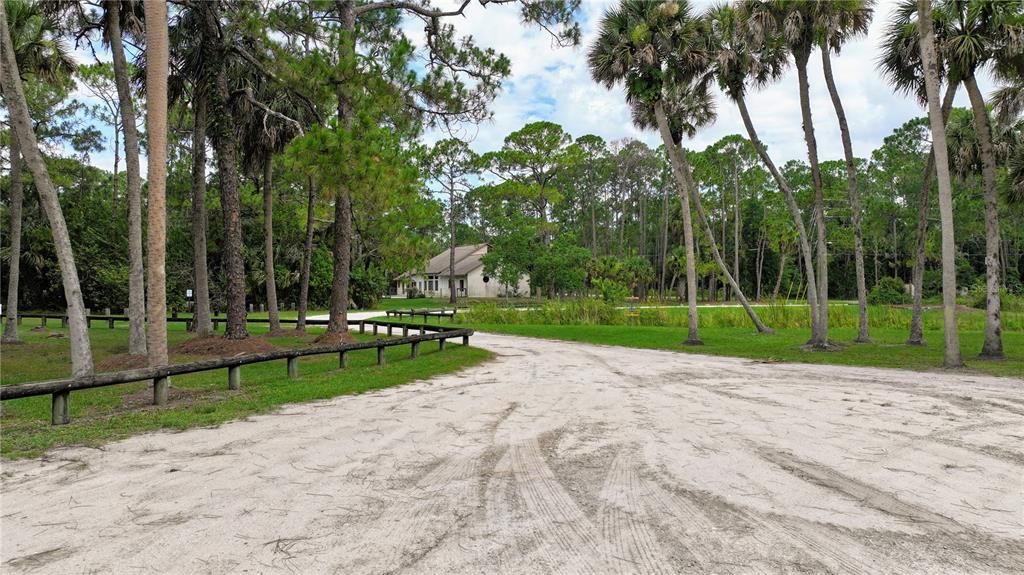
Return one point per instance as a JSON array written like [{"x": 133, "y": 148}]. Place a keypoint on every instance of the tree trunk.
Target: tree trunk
[
  {"x": 736, "y": 227},
  {"x": 782, "y": 269},
  {"x": 854, "y": 194},
  {"x": 201, "y": 275},
  {"x": 136, "y": 268},
  {"x": 930, "y": 62},
  {"x": 338, "y": 322},
  {"x": 754, "y": 318},
  {"x": 225, "y": 146},
  {"x": 14, "y": 266},
  {"x": 451, "y": 244},
  {"x": 691, "y": 268},
  {"x": 307, "y": 257},
  {"x": 794, "y": 211},
  {"x": 993, "y": 346},
  {"x": 117, "y": 167},
  {"x": 664, "y": 239},
  {"x": 18, "y": 116},
  {"x": 821, "y": 273},
  {"x": 268, "y": 243},
  {"x": 156, "y": 127}
]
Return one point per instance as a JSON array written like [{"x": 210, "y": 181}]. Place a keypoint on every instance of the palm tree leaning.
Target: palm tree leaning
[
  {"x": 37, "y": 55},
  {"x": 691, "y": 107},
  {"x": 633, "y": 41},
  {"x": 156, "y": 241},
  {"x": 796, "y": 23},
  {"x": 930, "y": 66},
  {"x": 734, "y": 61},
  {"x": 14, "y": 97},
  {"x": 840, "y": 21}
]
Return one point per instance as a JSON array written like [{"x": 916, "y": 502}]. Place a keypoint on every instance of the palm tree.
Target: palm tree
[
  {"x": 634, "y": 41},
  {"x": 156, "y": 242},
  {"x": 691, "y": 107},
  {"x": 734, "y": 62},
  {"x": 841, "y": 21},
  {"x": 930, "y": 66},
  {"x": 40, "y": 56},
  {"x": 900, "y": 63},
  {"x": 797, "y": 23},
  {"x": 14, "y": 96}
]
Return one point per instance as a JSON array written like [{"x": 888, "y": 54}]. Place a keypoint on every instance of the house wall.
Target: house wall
[{"x": 478, "y": 288}]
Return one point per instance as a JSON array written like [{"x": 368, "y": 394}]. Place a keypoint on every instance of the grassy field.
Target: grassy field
[
  {"x": 202, "y": 399},
  {"x": 726, "y": 331}
]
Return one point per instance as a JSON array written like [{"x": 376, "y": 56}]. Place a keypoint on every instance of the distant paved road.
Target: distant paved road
[{"x": 557, "y": 457}]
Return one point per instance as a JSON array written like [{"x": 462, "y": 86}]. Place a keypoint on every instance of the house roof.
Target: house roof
[{"x": 467, "y": 259}]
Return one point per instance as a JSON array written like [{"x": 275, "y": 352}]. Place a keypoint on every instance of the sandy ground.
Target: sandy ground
[{"x": 557, "y": 457}]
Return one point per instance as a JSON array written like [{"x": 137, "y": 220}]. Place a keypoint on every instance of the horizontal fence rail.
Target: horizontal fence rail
[
  {"x": 424, "y": 313},
  {"x": 44, "y": 318},
  {"x": 60, "y": 389}
]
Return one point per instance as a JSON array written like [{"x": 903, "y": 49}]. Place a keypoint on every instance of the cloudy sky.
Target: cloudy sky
[{"x": 551, "y": 83}]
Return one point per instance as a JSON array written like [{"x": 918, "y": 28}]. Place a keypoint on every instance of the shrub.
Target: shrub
[
  {"x": 611, "y": 291},
  {"x": 888, "y": 291}
]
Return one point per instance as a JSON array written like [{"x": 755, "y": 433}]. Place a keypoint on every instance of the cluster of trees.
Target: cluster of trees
[
  {"x": 311, "y": 107},
  {"x": 667, "y": 58}
]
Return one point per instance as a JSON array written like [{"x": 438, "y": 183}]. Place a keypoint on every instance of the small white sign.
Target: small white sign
[{"x": 188, "y": 293}]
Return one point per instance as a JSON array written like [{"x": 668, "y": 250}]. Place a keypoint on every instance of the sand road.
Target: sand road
[{"x": 557, "y": 458}]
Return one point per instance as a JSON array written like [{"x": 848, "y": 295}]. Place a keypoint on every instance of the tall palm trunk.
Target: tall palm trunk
[
  {"x": 993, "y": 346},
  {"x": 14, "y": 267},
  {"x": 201, "y": 275},
  {"x": 931, "y": 76},
  {"x": 18, "y": 115},
  {"x": 307, "y": 257},
  {"x": 854, "y": 194},
  {"x": 794, "y": 211},
  {"x": 268, "y": 244},
  {"x": 736, "y": 228},
  {"x": 694, "y": 191},
  {"x": 451, "y": 244},
  {"x": 821, "y": 340},
  {"x": 156, "y": 126},
  {"x": 917, "y": 313},
  {"x": 136, "y": 269},
  {"x": 691, "y": 269}
]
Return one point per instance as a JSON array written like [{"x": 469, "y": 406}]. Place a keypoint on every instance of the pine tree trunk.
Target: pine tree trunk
[
  {"x": 268, "y": 244},
  {"x": 794, "y": 211},
  {"x": 156, "y": 127},
  {"x": 201, "y": 275},
  {"x": 917, "y": 313},
  {"x": 451, "y": 245},
  {"x": 821, "y": 273},
  {"x": 14, "y": 267},
  {"x": 782, "y": 269},
  {"x": 692, "y": 184},
  {"x": 929, "y": 60},
  {"x": 692, "y": 337},
  {"x": 136, "y": 268},
  {"x": 18, "y": 116},
  {"x": 854, "y": 194},
  {"x": 307, "y": 257},
  {"x": 736, "y": 227},
  {"x": 993, "y": 346}
]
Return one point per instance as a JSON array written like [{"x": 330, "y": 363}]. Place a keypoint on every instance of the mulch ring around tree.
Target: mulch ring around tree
[
  {"x": 222, "y": 347},
  {"x": 176, "y": 397},
  {"x": 121, "y": 362},
  {"x": 335, "y": 338}
]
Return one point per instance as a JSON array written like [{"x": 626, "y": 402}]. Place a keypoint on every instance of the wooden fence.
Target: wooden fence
[
  {"x": 424, "y": 313},
  {"x": 60, "y": 389}
]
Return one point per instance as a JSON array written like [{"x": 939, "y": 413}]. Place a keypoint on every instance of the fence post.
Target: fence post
[
  {"x": 440, "y": 344},
  {"x": 63, "y": 321},
  {"x": 160, "y": 385},
  {"x": 60, "y": 408},
  {"x": 110, "y": 323},
  {"x": 234, "y": 377},
  {"x": 88, "y": 322},
  {"x": 405, "y": 331},
  {"x": 465, "y": 340},
  {"x": 380, "y": 355},
  {"x": 375, "y": 329},
  {"x": 423, "y": 329},
  {"x": 415, "y": 349},
  {"x": 362, "y": 327},
  {"x": 42, "y": 321},
  {"x": 293, "y": 367},
  {"x": 342, "y": 360},
  {"x": 389, "y": 329}
]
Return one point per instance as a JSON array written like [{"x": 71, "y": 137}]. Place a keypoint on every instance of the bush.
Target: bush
[
  {"x": 611, "y": 291},
  {"x": 888, "y": 291},
  {"x": 366, "y": 286}
]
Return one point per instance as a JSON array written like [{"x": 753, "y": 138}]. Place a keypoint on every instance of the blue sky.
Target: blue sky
[{"x": 551, "y": 83}]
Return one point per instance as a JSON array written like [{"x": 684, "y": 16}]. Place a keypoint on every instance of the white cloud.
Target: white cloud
[{"x": 541, "y": 71}]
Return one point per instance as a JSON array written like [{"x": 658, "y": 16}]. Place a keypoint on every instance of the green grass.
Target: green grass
[{"x": 106, "y": 414}]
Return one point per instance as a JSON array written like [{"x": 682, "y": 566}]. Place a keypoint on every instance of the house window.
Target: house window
[{"x": 431, "y": 283}]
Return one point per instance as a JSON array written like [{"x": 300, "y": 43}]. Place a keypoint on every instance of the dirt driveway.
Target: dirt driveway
[{"x": 557, "y": 457}]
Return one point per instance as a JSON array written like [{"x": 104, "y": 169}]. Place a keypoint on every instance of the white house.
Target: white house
[{"x": 470, "y": 280}]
